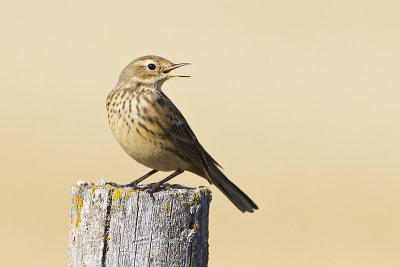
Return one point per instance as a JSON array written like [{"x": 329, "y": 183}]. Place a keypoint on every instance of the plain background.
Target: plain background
[{"x": 298, "y": 100}]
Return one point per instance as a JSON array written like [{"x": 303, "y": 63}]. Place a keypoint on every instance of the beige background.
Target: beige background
[{"x": 298, "y": 100}]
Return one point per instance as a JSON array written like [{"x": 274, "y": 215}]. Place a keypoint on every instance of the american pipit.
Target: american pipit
[{"x": 151, "y": 129}]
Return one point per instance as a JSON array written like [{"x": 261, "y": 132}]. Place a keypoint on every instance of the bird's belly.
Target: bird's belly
[{"x": 146, "y": 148}]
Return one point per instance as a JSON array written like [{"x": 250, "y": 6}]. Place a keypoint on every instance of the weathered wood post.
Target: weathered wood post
[{"x": 123, "y": 227}]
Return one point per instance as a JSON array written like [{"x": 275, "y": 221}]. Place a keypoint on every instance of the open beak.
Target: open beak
[{"x": 175, "y": 66}]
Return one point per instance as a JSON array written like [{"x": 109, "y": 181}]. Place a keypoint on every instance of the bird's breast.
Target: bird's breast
[{"x": 141, "y": 130}]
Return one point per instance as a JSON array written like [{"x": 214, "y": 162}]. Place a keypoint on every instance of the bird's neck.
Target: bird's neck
[{"x": 138, "y": 84}]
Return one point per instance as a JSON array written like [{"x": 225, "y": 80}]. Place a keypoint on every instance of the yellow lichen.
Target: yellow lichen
[
  {"x": 205, "y": 188},
  {"x": 77, "y": 204},
  {"x": 196, "y": 225},
  {"x": 128, "y": 194},
  {"x": 108, "y": 186},
  {"x": 117, "y": 193},
  {"x": 93, "y": 187},
  {"x": 166, "y": 206}
]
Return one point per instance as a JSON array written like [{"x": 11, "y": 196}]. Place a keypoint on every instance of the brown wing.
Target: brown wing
[
  {"x": 184, "y": 139},
  {"x": 183, "y": 136}
]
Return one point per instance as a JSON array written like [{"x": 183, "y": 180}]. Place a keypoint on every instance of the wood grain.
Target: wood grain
[{"x": 122, "y": 227}]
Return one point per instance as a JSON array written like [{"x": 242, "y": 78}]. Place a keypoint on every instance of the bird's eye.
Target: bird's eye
[{"x": 151, "y": 66}]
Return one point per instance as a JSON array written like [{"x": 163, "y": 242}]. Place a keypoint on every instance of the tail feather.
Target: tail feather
[{"x": 234, "y": 193}]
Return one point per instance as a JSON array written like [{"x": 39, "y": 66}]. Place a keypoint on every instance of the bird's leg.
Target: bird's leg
[
  {"x": 114, "y": 184},
  {"x": 155, "y": 186},
  {"x": 137, "y": 181}
]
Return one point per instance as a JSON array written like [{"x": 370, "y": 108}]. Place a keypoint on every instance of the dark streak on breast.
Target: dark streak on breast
[
  {"x": 145, "y": 128},
  {"x": 146, "y": 99},
  {"x": 124, "y": 93},
  {"x": 160, "y": 125},
  {"x": 137, "y": 130}
]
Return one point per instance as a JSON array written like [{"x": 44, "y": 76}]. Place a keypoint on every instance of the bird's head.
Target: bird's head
[{"x": 149, "y": 70}]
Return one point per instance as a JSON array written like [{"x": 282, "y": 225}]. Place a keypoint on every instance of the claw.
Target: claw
[
  {"x": 153, "y": 188},
  {"x": 114, "y": 184}
]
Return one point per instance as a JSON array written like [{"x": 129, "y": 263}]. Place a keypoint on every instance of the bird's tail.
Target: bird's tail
[{"x": 237, "y": 196}]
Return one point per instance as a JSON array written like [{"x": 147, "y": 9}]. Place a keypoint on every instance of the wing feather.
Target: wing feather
[{"x": 183, "y": 136}]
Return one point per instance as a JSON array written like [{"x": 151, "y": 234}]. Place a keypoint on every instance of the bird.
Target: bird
[{"x": 151, "y": 129}]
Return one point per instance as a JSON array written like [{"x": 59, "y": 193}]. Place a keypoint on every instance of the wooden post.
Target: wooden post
[{"x": 122, "y": 227}]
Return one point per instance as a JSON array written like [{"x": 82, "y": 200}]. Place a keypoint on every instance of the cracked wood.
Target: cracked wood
[{"x": 121, "y": 227}]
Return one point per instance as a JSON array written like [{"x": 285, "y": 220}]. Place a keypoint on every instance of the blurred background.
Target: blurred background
[{"x": 298, "y": 100}]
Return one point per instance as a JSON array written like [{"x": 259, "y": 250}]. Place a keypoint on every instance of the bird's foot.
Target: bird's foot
[
  {"x": 133, "y": 184},
  {"x": 114, "y": 184},
  {"x": 151, "y": 188}
]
